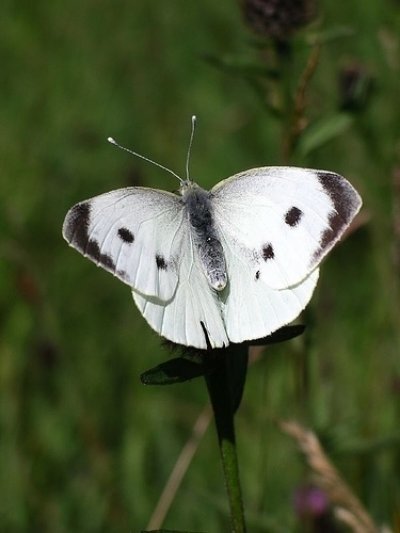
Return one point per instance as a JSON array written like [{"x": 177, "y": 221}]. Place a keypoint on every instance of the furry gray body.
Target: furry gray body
[{"x": 199, "y": 210}]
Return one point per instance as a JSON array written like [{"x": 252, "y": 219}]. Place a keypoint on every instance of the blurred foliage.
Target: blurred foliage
[{"x": 84, "y": 446}]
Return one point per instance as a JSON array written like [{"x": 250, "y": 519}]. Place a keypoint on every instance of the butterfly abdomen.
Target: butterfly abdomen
[{"x": 209, "y": 248}]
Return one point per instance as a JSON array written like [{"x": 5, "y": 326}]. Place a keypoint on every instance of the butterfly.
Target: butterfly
[{"x": 222, "y": 266}]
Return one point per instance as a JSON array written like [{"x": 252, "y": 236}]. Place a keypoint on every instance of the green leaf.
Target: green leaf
[
  {"x": 195, "y": 363},
  {"x": 283, "y": 334},
  {"x": 323, "y": 131},
  {"x": 176, "y": 370},
  {"x": 328, "y": 35},
  {"x": 241, "y": 67}
]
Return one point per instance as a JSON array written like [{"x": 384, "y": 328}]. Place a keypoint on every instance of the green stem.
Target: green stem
[
  {"x": 220, "y": 390},
  {"x": 284, "y": 56}
]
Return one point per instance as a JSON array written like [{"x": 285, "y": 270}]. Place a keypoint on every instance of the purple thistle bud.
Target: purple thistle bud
[
  {"x": 355, "y": 87},
  {"x": 278, "y": 18}
]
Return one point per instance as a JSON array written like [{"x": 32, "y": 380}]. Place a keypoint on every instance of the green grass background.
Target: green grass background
[{"x": 84, "y": 447}]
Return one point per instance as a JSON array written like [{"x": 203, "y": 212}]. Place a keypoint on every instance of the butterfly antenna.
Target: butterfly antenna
[
  {"x": 190, "y": 147},
  {"x": 113, "y": 141}
]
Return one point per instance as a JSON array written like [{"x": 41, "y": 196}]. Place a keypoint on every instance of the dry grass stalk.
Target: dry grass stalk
[
  {"x": 396, "y": 218},
  {"x": 298, "y": 120},
  {"x": 182, "y": 464},
  {"x": 347, "y": 507}
]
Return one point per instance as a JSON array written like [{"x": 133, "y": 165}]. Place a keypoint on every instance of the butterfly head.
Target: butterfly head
[{"x": 186, "y": 186}]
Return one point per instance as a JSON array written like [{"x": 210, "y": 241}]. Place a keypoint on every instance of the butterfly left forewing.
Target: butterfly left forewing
[
  {"x": 132, "y": 234},
  {"x": 283, "y": 220}
]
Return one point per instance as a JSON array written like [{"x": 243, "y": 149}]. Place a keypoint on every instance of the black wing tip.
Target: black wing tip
[
  {"x": 76, "y": 225},
  {"x": 76, "y": 233},
  {"x": 346, "y": 204},
  {"x": 345, "y": 198}
]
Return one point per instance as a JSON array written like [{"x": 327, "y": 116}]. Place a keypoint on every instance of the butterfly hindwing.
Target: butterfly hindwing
[
  {"x": 283, "y": 220},
  {"x": 251, "y": 308},
  {"x": 194, "y": 309},
  {"x": 132, "y": 233}
]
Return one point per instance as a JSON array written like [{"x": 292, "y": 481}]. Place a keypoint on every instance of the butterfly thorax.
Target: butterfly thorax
[{"x": 205, "y": 235}]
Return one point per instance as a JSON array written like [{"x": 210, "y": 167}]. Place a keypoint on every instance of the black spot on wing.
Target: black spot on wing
[
  {"x": 268, "y": 252},
  {"x": 346, "y": 203},
  {"x": 123, "y": 275},
  {"x": 160, "y": 262},
  {"x": 76, "y": 231},
  {"x": 257, "y": 276},
  {"x": 293, "y": 216},
  {"x": 126, "y": 235}
]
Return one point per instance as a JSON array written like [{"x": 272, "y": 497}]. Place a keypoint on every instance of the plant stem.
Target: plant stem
[{"x": 219, "y": 384}]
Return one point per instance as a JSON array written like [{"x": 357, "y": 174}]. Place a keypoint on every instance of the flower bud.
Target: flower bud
[{"x": 278, "y": 18}]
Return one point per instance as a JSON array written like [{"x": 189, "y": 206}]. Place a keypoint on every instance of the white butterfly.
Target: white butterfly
[{"x": 232, "y": 264}]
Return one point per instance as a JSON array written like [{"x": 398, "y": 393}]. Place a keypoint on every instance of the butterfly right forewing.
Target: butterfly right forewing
[
  {"x": 284, "y": 220},
  {"x": 275, "y": 226}
]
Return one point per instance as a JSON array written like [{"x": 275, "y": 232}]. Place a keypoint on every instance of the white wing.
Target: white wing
[
  {"x": 275, "y": 225},
  {"x": 142, "y": 236},
  {"x": 134, "y": 234},
  {"x": 251, "y": 308},
  {"x": 194, "y": 308},
  {"x": 282, "y": 220}
]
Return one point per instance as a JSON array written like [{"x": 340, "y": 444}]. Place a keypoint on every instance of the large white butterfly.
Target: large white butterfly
[{"x": 232, "y": 264}]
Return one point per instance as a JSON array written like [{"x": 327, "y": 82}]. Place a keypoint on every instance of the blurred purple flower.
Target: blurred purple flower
[
  {"x": 310, "y": 501},
  {"x": 395, "y": 384}
]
